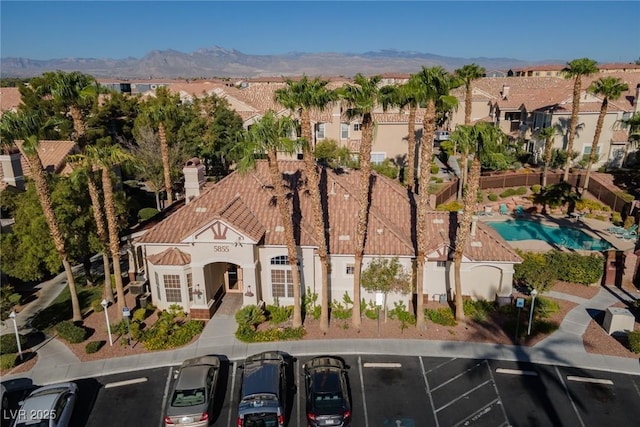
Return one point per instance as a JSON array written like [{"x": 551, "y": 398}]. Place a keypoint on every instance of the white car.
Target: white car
[{"x": 48, "y": 406}]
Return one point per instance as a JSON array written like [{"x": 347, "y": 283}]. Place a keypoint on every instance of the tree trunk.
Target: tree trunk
[
  {"x": 467, "y": 104},
  {"x": 363, "y": 213},
  {"x": 42, "y": 189},
  {"x": 426, "y": 151},
  {"x": 464, "y": 166},
  {"x": 287, "y": 222},
  {"x": 313, "y": 182},
  {"x": 547, "y": 160},
  {"x": 411, "y": 150},
  {"x": 596, "y": 140},
  {"x": 101, "y": 229},
  {"x": 86, "y": 265},
  {"x": 575, "y": 110},
  {"x": 114, "y": 239},
  {"x": 164, "y": 150},
  {"x": 463, "y": 232},
  {"x": 78, "y": 124},
  {"x": 108, "y": 289}
]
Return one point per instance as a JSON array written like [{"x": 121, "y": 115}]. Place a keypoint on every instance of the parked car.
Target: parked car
[
  {"x": 328, "y": 401},
  {"x": 12, "y": 392},
  {"x": 48, "y": 406},
  {"x": 192, "y": 396},
  {"x": 263, "y": 391}
]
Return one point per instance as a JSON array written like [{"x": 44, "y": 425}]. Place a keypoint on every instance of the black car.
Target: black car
[{"x": 327, "y": 392}]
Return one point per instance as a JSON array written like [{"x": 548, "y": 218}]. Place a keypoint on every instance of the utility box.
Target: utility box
[{"x": 618, "y": 320}]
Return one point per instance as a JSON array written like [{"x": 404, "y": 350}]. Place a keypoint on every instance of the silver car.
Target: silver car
[
  {"x": 48, "y": 406},
  {"x": 191, "y": 400}
]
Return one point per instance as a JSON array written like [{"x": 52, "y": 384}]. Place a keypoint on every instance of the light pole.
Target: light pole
[
  {"x": 533, "y": 302},
  {"x": 12, "y": 315},
  {"x": 105, "y": 305}
]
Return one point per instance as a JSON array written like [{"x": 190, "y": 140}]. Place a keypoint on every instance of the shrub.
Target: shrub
[
  {"x": 633, "y": 338},
  {"x": 273, "y": 334},
  {"x": 139, "y": 315},
  {"x": 251, "y": 316},
  {"x": 185, "y": 333},
  {"x": 7, "y": 361},
  {"x": 575, "y": 268},
  {"x": 278, "y": 314},
  {"x": 507, "y": 193},
  {"x": 454, "y": 206},
  {"x": 370, "y": 310},
  {"x": 386, "y": 168},
  {"x": 96, "y": 305},
  {"x": 591, "y": 205},
  {"x": 93, "y": 346},
  {"x": 616, "y": 218},
  {"x": 545, "y": 307},
  {"x": 521, "y": 191},
  {"x": 478, "y": 310},
  {"x": 442, "y": 316},
  {"x": 310, "y": 304},
  {"x": 70, "y": 332},
  {"x": 434, "y": 168},
  {"x": 535, "y": 188},
  {"x": 492, "y": 197},
  {"x": 629, "y": 221},
  {"x": 534, "y": 272},
  {"x": 340, "y": 310},
  {"x": 8, "y": 343},
  {"x": 401, "y": 313},
  {"x": 146, "y": 213}
]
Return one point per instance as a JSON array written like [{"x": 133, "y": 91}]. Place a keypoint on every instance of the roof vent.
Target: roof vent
[
  {"x": 476, "y": 244},
  {"x": 201, "y": 210},
  {"x": 346, "y": 196},
  {"x": 438, "y": 221},
  {"x": 332, "y": 192},
  {"x": 379, "y": 230},
  {"x": 279, "y": 229},
  {"x": 344, "y": 237}
]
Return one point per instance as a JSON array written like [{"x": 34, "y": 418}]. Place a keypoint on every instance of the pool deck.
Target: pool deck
[{"x": 593, "y": 227}]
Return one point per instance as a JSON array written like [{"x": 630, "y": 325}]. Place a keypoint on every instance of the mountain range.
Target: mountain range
[{"x": 220, "y": 62}]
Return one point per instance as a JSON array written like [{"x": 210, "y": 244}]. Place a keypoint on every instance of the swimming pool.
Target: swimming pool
[{"x": 569, "y": 237}]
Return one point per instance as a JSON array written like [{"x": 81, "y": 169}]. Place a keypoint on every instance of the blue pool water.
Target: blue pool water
[{"x": 572, "y": 238}]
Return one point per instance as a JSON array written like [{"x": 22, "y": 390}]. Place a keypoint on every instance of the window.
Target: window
[
  {"x": 350, "y": 270},
  {"x": 158, "y": 286},
  {"x": 280, "y": 260},
  {"x": 190, "y": 286},
  {"x": 281, "y": 284},
  {"x": 537, "y": 73},
  {"x": 320, "y": 128},
  {"x": 548, "y": 73},
  {"x": 441, "y": 264},
  {"x": 587, "y": 150},
  {"x": 344, "y": 130},
  {"x": 172, "y": 287},
  {"x": 356, "y": 127},
  {"x": 378, "y": 158}
]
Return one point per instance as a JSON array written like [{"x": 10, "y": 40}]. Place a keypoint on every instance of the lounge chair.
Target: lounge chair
[
  {"x": 519, "y": 211},
  {"x": 621, "y": 231},
  {"x": 503, "y": 209},
  {"x": 631, "y": 233},
  {"x": 616, "y": 229}
]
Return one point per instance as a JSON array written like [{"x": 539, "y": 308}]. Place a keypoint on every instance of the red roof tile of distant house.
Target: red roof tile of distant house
[{"x": 9, "y": 99}]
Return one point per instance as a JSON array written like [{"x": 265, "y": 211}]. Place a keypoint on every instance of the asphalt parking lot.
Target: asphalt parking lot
[{"x": 401, "y": 392}]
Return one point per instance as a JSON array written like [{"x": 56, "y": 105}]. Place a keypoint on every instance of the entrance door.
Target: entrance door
[{"x": 233, "y": 279}]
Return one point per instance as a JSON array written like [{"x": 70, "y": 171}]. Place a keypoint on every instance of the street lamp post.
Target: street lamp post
[
  {"x": 12, "y": 315},
  {"x": 105, "y": 305},
  {"x": 533, "y": 302}
]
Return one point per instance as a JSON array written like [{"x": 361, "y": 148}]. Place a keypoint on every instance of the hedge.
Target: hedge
[
  {"x": 7, "y": 361},
  {"x": 93, "y": 346},
  {"x": 8, "y": 343},
  {"x": 70, "y": 332}
]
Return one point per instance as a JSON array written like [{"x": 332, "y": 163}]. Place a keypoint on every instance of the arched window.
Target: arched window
[{"x": 281, "y": 280}]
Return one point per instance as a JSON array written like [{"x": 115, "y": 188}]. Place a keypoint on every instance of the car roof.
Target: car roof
[
  {"x": 326, "y": 380},
  {"x": 192, "y": 377},
  {"x": 40, "y": 402},
  {"x": 261, "y": 377}
]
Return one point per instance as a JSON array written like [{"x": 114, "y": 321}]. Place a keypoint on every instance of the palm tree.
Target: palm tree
[
  {"x": 405, "y": 96},
  {"x": 360, "y": 99},
  {"x": 105, "y": 158},
  {"x": 25, "y": 126},
  {"x": 609, "y": 88},
  {"x": 548, "y": 134},
  {"x": 467, "y": 74},
  {"x": 575, "y": 70},
  {"x": 633, "y": 123},
  {"x": 83, "y": 167},
  {"x": 271, "y": 135},
  {"x": 303, "y": 96},
  {"x": 433, "y": 89}
]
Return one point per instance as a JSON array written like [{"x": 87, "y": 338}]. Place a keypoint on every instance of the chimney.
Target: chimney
[
  {"x": 505, "y": 91},
  {"x": 12, "y": 168},
  {"x": 474, "y": 225},
  {"x": 636, "y": 104},
  {"x": 193, "y": 178}
]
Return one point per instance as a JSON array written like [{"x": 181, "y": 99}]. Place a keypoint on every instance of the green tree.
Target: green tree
[
  {"x": 547, "y": 134},
  {"x": 360, "y": 100},
  {"x": 304, "y": 96},
  {"x": 386, "y": 275},
  {"x": 25, "y": 127},
  {"x": 271, "y": 135},
  {"x": 575, "y": 70},
  {"x": 609, "y": 88}
]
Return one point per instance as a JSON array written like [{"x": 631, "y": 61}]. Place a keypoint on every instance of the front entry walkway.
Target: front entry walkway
[{"x": 231, "y": 302}]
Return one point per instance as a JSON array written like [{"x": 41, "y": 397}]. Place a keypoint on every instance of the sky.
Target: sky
[{"x": 532, "y": 31}]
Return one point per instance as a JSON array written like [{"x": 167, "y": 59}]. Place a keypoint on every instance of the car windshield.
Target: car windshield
[
  {"x": 327, "y": 400},
  {"x": 183, "y": 398},
  {"x": 260, "y": 420}
]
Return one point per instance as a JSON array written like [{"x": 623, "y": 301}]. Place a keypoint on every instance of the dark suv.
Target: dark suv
[
  {"x": 263, "y": 391},
  {"x": 327, "y": 392}
]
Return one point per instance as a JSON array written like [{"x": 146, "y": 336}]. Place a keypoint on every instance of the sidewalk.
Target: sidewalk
[{"x": 564, "y": 347}]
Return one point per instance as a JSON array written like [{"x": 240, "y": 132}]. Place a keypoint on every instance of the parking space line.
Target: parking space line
[
  {"x": 426, "y": 383},
  {"x": 636, "y": 387},
  {"x": 495, "y": 387},
  {"x": 463, "y": 395},
  {"x": 382, "y": 365},
  {"x": 479, "y": 412},
  {"x": 165, "y": 396},
  {"x": 589, "y": 380},
  {"x": 298, "y": 392},
  {"x": 233, "y": 386},
  {"x": 456, "y": 377},
  {"x": 364, "y": 398},
  {"x": 566, "y": 390},
  {"x": 516, "y": 372},
  {"x": 435, "y": 368},
  {"x": 126, "y": 382}
]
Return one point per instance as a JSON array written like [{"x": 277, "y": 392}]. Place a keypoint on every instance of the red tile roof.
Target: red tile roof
[
  {"x": 171, "y": 256},
  {"x": 52, "y": 155},
  {"x": 9, "y": 99},
  {"x": 245, "y": 202}
]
